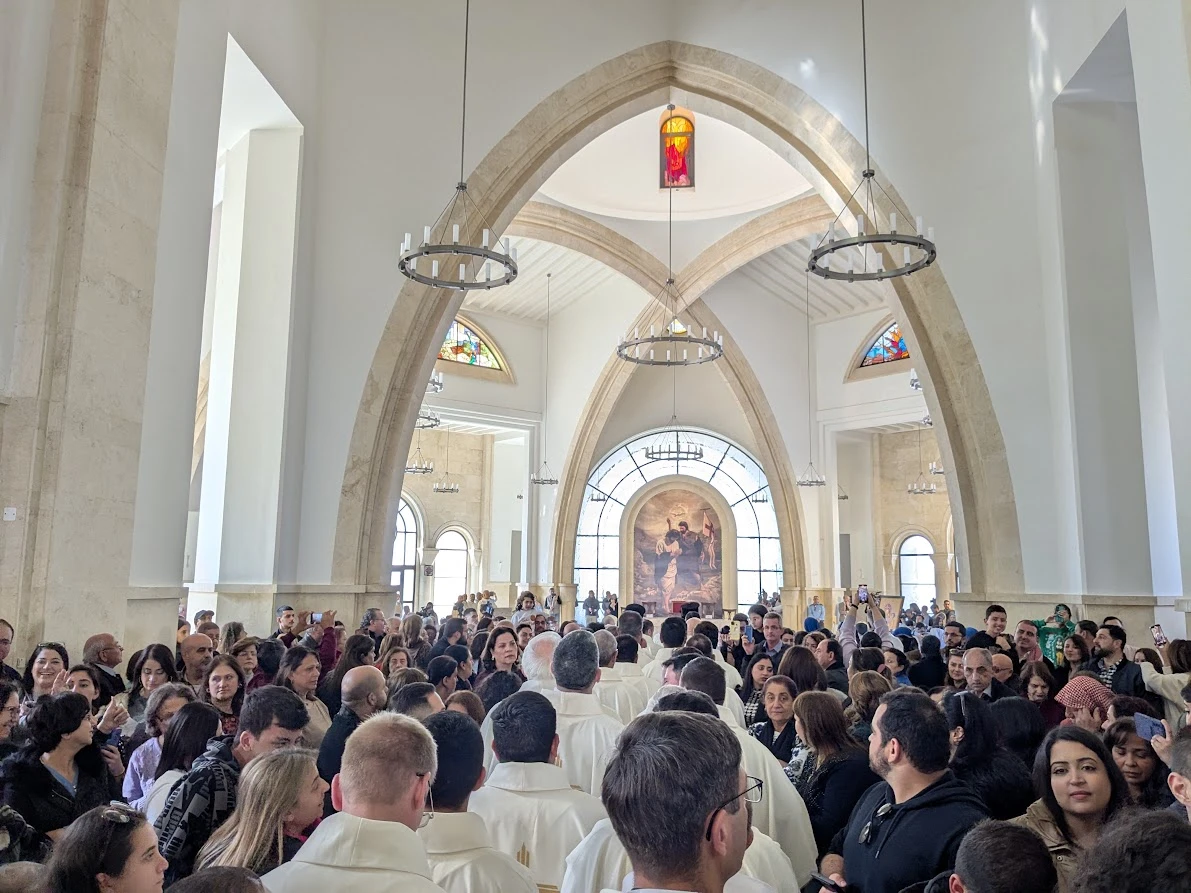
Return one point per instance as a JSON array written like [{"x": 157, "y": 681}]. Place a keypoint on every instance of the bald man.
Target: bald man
[
  {"x": 364, "y": 694},
  {"x": 197, "y": 652},
  {"x": 103, "y": 653}
]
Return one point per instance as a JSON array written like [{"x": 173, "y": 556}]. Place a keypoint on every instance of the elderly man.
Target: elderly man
[
  {"x": 781, "y": 813},
  {"x": 370, "y": 843},
  {"x": 978, "y": 672},
  {"x": 536, "y": 660},
  {"x": 364, "y": 694},
  {"x": 197, "y": 651},
  {"x": 613, "y": 690},
  {"x": 104, "y": 653},
  {"x": 531, "y": 810},
  {"x": 1003, "y": 669},
  {"x": 586, "y": 732}
]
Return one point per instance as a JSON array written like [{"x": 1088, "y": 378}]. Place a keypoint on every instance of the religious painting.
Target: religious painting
[
  {"x": 678, "y": 553},
  {"x": 678, "y": 149}
]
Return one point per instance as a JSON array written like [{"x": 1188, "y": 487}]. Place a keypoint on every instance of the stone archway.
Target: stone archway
[{"x": 812, "y": 140}]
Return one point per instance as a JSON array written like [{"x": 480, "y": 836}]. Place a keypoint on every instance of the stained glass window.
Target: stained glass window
[
  {"x": 888, "y": 347},
  {"x": 463, "y": 345},
  {"x": 678, "y": 149}
]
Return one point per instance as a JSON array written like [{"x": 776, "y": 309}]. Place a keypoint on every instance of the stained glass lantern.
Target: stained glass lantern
[{"x": 677, "y": 161}]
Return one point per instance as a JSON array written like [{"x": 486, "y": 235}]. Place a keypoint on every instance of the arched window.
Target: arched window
[
  {"x": 889, "y": 346},
  {"x": 464, "y": 345},
  {"x": 916, "y": 570},
  {"x": 451, "y": 564},
  {"x": 678, "y": 149},
  {"x": 405, "y": 554},
  {"x": 726, "y": 467}
]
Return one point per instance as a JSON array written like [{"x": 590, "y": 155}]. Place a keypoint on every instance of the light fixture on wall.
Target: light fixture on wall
[
  {"x": 864, "y": 254},
  {"x": 674, "y": 344},
  {"x": 810, "y": 476},
  {"x": 842, "y": 496},
  {"x": 436, "y": 384},
  {"x": 426, "y": 420},
  {"x": 543, "y": 477},
  {"x": 470, "y": 252},
  {"x": 419, "y": 464},
  {"x": 915, "y": 382},
  {"x": 447, "y": 484},
  {"x": 935, "y": 468},
  {"x": 921, "y": 486}
]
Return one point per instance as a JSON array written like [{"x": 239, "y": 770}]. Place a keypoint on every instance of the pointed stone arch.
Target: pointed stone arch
[{"x": 817, "y": 144}]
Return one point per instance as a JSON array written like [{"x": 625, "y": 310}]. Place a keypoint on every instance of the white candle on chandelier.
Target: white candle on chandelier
[
  {"x": 918, "y": 225},
  {"x": 893, "y": 222},
  {"x": 462, "y": 272},
  {"x": 700, "y": 351},
  {"x": 684, "y": 354},
  {"x": 860, "y": 224},
  {"x": 651, "y": 330},
  {"x": 719, "y": 339},
  {"x": 636, "y": 333},
  {"x": 405, "y": 244},
  {"x": 667, "y": 356},
  {"x": 906, "y": 256},
  {"x": 484, "y": 242},
  {"x": 413, "y": 264},
  {"x": 930, "y": 233},
  {"x": 434, "y": 269},
  {"x": 487, "y": 271},
  {"x": 425, "y": 235},
  {"x": 651, "y": 354},
  {"x": 455, "y": 233}
]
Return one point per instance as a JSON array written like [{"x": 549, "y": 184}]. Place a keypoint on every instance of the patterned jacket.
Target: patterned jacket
[{"x": 199, "y": 803}]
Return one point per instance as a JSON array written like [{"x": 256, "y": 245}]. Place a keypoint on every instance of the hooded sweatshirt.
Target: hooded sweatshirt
[{"x": 909, "y": 842}]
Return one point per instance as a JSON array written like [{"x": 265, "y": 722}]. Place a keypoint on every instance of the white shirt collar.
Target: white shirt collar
[
  {"x": 454, "y": 832},
  {"x": 527, "y": 777}
]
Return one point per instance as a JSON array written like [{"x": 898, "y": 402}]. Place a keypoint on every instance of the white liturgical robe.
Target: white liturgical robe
[
  {"x": 586, "y": 737},
  {"x": 653, "y": 670},
  {"x": 600, "y": 861},
  {"x": 462, "y": 859},
  {"x": 632, "y": 675},
  {"x": 734, "y": 680},
  {"x": 346, "y": 852},
  {"x": 615, "y": 692},
  {"x": 532, "y": 810}
]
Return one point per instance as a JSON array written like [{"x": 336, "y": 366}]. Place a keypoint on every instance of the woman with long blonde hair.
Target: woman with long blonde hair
[{"x": 280, "y": 795}]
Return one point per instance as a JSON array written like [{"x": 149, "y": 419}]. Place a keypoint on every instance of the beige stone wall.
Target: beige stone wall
[{"x": 897, "y": 514}]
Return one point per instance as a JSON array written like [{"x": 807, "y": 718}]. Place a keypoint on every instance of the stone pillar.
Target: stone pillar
[
  {"x": 72, "y": 430},
  {"x": 568, "y": 592}
]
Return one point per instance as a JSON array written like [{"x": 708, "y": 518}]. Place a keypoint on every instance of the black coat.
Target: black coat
[
  {"x": 109, "y": 686},
  {"x": 912, "y": 842},
  {"x": 1002, "y": 782},
  {"x": 928, "y": 673},
  {"x": 837, "y": 676},
  {"x": 833, "y": 790},
  {"x": 29, "y": 788},
  {"x": 330, "y": 752}
]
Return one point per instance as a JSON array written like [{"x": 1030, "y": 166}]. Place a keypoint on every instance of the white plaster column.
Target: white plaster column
[{"x": 242, "y": 463}]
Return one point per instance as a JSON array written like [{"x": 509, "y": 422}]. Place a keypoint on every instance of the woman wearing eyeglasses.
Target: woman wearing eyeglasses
[
  {"x": 999, "y": 778},
  {"x": 280, "y": 795},
  {"x": 109, "y": 849},
  {"x": 60, "y": 773},
  {"x": 10, "y": 713}
]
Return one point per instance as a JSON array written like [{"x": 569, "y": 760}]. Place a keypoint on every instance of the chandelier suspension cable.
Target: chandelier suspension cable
[
  {"x": 868, "y": 160},
  {"x": 543, "y": 477},
  {"x": 463, "y": 116},
  {"x": 810, "y": 477}
]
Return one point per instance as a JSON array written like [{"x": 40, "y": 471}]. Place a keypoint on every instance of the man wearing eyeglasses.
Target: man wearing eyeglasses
[
  {"x": 7, "y": 634},
  {"x": 104, "y": 653},
  {"x": 907, "y": 829}
]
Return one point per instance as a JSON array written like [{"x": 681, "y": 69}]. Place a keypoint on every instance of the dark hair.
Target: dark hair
[
  {"x": 1001, "y": 857},
  {"x": 994, "y": 609},
  {"x": 53, "y": 718},
  {"x": 273, "y": 704},
  {"x": 1180, "y": 753},
  {"x": 1117, "y": 633},
  {"x": 1179, "y": 654},
  {"x": 1185, "y": 693},
  {"x": 963, "y": 630},
  {"x": 1126, "y": 705},
  {"x": 164, "y": 655},
  {"x": 800, "y": 665},
  {"x": 1105, "y": 622},
  {"x": 451, "y": 626},
  {"x": 919, "y": 726},
  {"x": 92, "y": 674},
  {"x": 224, "y": 660},
  {"x": 523, "y": 728},
  {"x": 708, "y": 629},
  {"x": 1037, "y": 668},
  {"x": 968, "y": 712},
  {"x": 1120, "y": 790},
  {"x": 1139, "y": 851},
  {"x": 747, "y": 689},
  {"x": 1084, "y": 654},
  {"x": 626, "y": 649},
  {"x": 471, "y": 703},
  {"x": 97, "y": 842},
  {"x": 159, "y": 696},
  {"x": 497, "y": 687},
  {"x": 576, "y": 661},
  {"x": 355, "y": 654},
  {"x": 459, "y": 653},
  {"x": 409, "y": 696},
  {"x": 630, "y": 626},
  {"x": 1117, "y": 735},
  {"x": 1020, "y": 727},
  {"x": 487, "y": 662},
  {"x": 291, "y": 661},
  {"x": 868, "y": 659},
  {"x": 824, "y": 725},
  {"x": 700, "y": 643},
  {"x": 689, "y": 701},
  {"x": 27, "y": 679},
  {"x": 268, "y": 657},
  {"x": 900, "y": 657},
  {"x": 1150, "y": 656},
  {"x": 1088, "y": 626},
  {"x": 871, "y": 640},
  {"x": 460, "y": 749},
  {"x": 930, "y": 646},
  {"x": 187, "y": 736},
  {"x": 219, "y": 879},
  {"x": 673, "y": 632},
  {"x": 679, "y": 659},
  {"x": 705, "y": 675},
  {"x": 441, "y": 668},
  {"x": 656, "y": 757},
  {"x": 8, "y": 688}
]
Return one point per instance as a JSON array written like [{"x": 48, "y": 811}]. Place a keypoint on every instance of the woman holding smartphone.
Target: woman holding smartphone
[{"x": 1170, "y": 684}]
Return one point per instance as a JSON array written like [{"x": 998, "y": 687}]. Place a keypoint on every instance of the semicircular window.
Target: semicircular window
[
  {"x": 889, "y": 347},
  {"x": 464, "y": 345}
]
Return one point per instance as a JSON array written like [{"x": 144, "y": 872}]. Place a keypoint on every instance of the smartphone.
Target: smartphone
[
  {"x": 316, "y": 618},
  {"x": 826, "y": 883},
  {"x": 114, "y": 738},
  {"x": 734, "y": 630},
  {"x": 749, "y": 633},
  {"x": 862, "y": 593},
  {"x": 1147, "y": 726},
  {"x": 1159, "y": 636}
]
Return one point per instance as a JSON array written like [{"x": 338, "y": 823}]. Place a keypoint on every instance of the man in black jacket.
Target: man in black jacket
[
  {"x": 907, "y": 829},
  {"x": 931, "y": 671},
  {"x": 363, "y": 693},
  {"x": 978, "y": 673},
  {"x": 830, "y": 654},
  {"x": 1109, "y": 663},
  {"x": 103, "y": 653},
  {"x": 997, "y": 857},
  {"x": 452, "y": 633}
]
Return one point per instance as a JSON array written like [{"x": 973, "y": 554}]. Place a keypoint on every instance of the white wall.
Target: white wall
[{"x": 510, "y": 481}]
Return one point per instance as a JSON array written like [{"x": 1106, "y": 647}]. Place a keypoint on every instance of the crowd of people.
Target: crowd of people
[{"x": 477, "y": 753}]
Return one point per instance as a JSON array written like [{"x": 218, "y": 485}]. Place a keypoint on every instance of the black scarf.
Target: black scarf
[{"x": 781, "y": 746}]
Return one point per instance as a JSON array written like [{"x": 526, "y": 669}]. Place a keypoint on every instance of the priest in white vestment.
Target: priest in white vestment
[
  {"x": 673, "y": 634},
  {"x": 530, "y": 808},
  {"x": 535, "y": 662},
  {"x": 586, "y": 733},
  {"x": 387, "y": 766},
  {"x": 625, "y": 700},
  {"x": 458, "y": 847},
  {"x": 781, "y": 813}
]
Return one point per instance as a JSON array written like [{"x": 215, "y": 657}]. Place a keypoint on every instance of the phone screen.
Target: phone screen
[
  {"x": 1147, "y": 726},
  {"x": 1159, "y": 636},
  {"x": 316, "y": 618},
  {"x": 114, "y": 738},
  {"x": 862, "y": 593}
]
